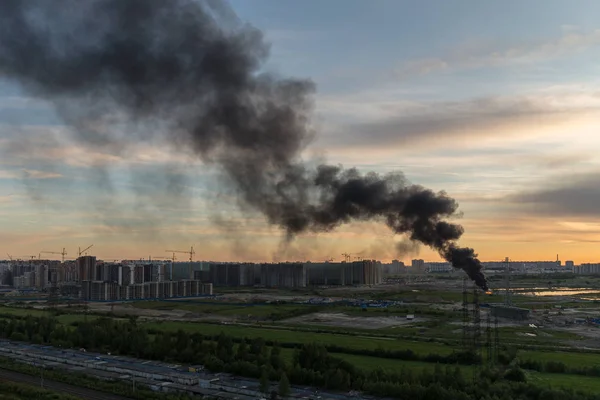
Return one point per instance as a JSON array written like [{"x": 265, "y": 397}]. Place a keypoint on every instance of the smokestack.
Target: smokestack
[{"x": 192, "y": 69}]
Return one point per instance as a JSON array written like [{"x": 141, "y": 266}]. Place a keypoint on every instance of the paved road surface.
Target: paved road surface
[{"x": 77, "y": 391}]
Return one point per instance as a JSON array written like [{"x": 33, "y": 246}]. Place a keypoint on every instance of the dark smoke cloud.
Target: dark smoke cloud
[{"x": 193, "y": 70}]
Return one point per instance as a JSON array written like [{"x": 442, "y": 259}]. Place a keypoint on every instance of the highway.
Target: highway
[{"x": 80, "y": 392}]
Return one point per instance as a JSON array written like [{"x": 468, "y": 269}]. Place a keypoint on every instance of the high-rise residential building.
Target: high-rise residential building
[
  {"x": 288, "y": 275},
  {"x": 418, "y": 265},
  {"x": 86, "y": 268}
]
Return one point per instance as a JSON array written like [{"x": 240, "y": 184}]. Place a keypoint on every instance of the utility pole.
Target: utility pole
[
  {"x": 507, "y": 299},
  {"x": 465, "y": 314}
]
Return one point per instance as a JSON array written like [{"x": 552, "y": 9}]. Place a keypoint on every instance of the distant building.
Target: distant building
[
  {"x": 109, "y": 291},
  {"x": 231, "y": 274},
  {"x": 394, "y": 268},
  {"x": 86, "y": 268},
  {"x": 587, "y": 269},
  {"x": 283, "y": 275},
  {"x": 439, "y": 267},
  {"x": 365, "y": 272},
  {"x": 418, "y": 266}
]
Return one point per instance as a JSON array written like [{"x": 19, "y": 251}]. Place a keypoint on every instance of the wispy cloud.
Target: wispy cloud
[
  {"x": 28, "y": 174},
  {"x": 406, "y": 123},
  {"x": 33, "y": 174},
  {"x": 575, "y": 196},
  {"x": 479, "y": 55}
]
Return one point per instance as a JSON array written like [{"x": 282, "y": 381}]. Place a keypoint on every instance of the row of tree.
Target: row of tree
[
  {"x": 76, "y": 379},
  {"x": 312, "y": 364},
  {"x": 19, "y": 391}
]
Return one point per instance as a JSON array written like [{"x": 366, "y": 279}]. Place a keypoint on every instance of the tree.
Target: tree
[
  {"x": 284, "y": 386},
  {"x": 515, "y": 374},
  {"x": 264, "y": 381}
]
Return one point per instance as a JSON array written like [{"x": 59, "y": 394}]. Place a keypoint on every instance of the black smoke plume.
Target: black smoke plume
[{"x": 193, "y": 70}]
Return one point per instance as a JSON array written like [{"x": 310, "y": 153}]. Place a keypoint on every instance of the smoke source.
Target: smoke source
[{"x": 192, "y": 69}]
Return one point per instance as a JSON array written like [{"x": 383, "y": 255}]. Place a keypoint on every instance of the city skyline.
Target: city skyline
[
  {"x": 182, "y": 256},
  {"x": 499, "y": 109}
]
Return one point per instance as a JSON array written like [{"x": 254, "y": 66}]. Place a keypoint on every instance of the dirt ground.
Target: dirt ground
[
  {"x": 348, "y": 321},
  {"x": 124, "y": 309}
]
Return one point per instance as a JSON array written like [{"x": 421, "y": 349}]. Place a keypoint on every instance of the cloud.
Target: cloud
[
  {"x": 8, "y": 199},
  {"x": 479, "y": 55},
  {"x": 405, "y": 123},
  {"x": 28, "y": 174},
  {"x": 53, "y": 146},
  {"x": 576, "y": 196},
  {"x": 33, "y": 174}
]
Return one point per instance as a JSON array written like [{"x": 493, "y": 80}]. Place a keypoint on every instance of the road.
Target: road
[{"x": 77, "y": 391}]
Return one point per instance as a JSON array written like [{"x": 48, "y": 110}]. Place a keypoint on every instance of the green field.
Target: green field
[
  {"x": 258, "y": 321},
  {"x": 68, "y": 319},
  {"x": 287, "y": 336},
  {"x": 566, "y": 381},
  {"x": 257, "y": 311},
  {"x": 569, "y": 359},
  {"x": 21, "y": 311},
  {"x": 556, "y": 381}
]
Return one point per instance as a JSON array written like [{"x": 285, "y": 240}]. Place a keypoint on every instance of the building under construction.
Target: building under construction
[
  {"x": 292, "y": 275},
  {"x": 111, "y": 291},
  {"x": 364, "y": 272},
  {"x": 283, "y": 275}
]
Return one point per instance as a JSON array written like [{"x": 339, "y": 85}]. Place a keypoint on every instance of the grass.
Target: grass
[
  {"x": 557, "y": 381},
  {"x": 23, "y": 312},
  {"x": 287, "y": 336},
  {"x": 564, "y": 381},
  {"x": 368, "y": 363},
  {"x": 276, "y": 311},
  {"x": 68, "y": 319},
  {"x": 569, "y": 359},
  {"x": 280, "y": 334}
]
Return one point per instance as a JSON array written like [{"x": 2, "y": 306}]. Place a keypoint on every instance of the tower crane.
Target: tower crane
[
  {"x": 80, "y": 252},
  {"x": 191, "y": 252},
  {"x": 63, "y": 253}
]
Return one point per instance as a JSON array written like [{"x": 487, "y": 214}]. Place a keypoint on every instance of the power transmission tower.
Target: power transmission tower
[
  {"x": 53, "y": 293},
  {"x": 465, "y": 314},
  {"x": 476, "y": 322},
  {"x": 496, "y": 340},
  {"x": 488, "y": 342}
]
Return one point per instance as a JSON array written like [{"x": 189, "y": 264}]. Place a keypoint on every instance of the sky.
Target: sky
[{"x": 496, "y": 103}]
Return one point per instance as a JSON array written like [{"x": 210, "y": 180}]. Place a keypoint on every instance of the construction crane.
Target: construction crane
[
  {"x": 63, "y": 253},
  {"x": 80, "y": 252},
  {"x": 346, "y": 257},
  {"x": 191, "y": 252}
]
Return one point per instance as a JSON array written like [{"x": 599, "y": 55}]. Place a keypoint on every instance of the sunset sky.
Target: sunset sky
[{"x": 497, "y": 103}]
